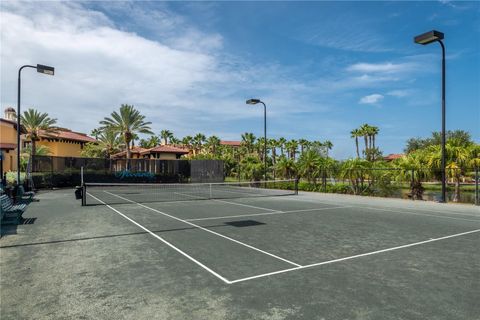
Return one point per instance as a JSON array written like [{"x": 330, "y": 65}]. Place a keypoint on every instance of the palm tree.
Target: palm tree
[
  {"x": 328, "y": 146},
  {"x": 166, "y": 135},
  {"x": 198, "y": 141},
  {"x": 286, "y": 167},
  {"x": 412, "y": 169},
  {"x": 108, "y": 143},
  {"x": 248, "y": 140},
  {"x": 308, "y": 165},
  {"x": 281, "y": 143},
  {"x": 457, "y": 160},
  {"x": 127, "y": 123},
  {"x": 213, "y": 142},
  {"x": 95, "y": 133},
  {"x": 175, "y": 141},
  {"x": 35, "y": 122},
  {"x": 273, "y": 144},
  {"x": 187, "y": 142},
  {"x": 355, "y": 133},
  {"x": 365, "y": 132},
  {"x": 292, "y": 147},
  {"x": 303, "y": 143},
  {"x": 153, "y": 141},
  {"x": 251, "y": 168}
]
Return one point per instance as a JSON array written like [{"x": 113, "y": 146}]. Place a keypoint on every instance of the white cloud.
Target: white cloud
[
  {"x": 386, "y": 67},
  {"x": 371, "y": 99},
  {"x": 399, "y": 93}
]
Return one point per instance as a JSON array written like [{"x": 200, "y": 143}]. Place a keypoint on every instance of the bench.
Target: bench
[
  {"x": 11, "y": 213},
  {"x": 24, "y": 197}
]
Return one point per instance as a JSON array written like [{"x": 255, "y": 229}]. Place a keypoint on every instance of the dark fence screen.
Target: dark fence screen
[{"x": 57, "y": 172}]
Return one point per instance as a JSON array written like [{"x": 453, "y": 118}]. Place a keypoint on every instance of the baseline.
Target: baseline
[{"x": 354, "y": 256}]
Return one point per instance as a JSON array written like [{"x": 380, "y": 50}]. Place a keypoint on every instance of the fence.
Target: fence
[{"x": 56, "y": 172}]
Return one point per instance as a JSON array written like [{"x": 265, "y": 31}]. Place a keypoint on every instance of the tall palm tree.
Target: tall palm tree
[
  {"x": 213, "y": 142},
  {"x": 248, "y": 140},
  {"x": 166, "y": 135},
  {"x": 355, "y": 133},
  {"x": 187, "y": 141},
  {"x": 273, "y": 144},
  {"x": 35, "y": 122},
  {"x": 198, "y": 141},
  {"x": 303, "y": 143},
  {"x": 365, "y": 132},
  {"x": 328, "y": 146},
  {"x": 281, "y": 144},
  {"x": 292, "y": 147},
  {"x": 153, "y": 141},
  {"x": 127, "y": 123}
]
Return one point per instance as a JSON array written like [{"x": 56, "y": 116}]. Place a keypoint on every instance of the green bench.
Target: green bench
[
  {"x": 24, "y": 197},
  {"x": 11, "y": 213}
]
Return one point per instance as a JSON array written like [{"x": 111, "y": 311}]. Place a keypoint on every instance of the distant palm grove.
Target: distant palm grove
[{"x": 368, "y": 173}]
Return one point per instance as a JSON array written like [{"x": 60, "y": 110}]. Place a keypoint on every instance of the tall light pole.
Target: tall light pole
[
  {"x": 41, "y": 69},
  {"x": 424, "y": 39},
  {"x": 255, "y": 101}
]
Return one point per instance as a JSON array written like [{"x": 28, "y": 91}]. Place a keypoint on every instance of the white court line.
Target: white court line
[
  {"x": 207, "y": 230},
  {"x": 354, "y": 257},
  {"x": 420, "y": 214},
  {"x": 265, "y": 213},
  {"x": 165, "y": 241}
]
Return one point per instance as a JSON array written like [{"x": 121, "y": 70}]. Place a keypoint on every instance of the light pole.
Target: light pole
[
  {"x": 424, "y": 39},
  {"x": 255, "y": 101},
  {"x": 41, "y": 69}
]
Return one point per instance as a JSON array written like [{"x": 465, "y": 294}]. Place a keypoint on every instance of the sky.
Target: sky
[{"x": 322, "y": 68}]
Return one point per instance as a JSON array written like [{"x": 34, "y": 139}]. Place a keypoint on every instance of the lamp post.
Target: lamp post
[
  {"x": 252, "y": 102},
  {"x": 424, "y": 39},
  {"x": 40, "y": 69}
]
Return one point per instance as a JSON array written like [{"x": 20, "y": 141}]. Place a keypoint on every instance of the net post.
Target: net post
[
  {"x": 296, "y": 185},
  {"x": 84, "y": 195},
  {"x": 477, "y": 177}
]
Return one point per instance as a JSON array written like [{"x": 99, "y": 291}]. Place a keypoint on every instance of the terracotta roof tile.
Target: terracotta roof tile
[
  {"x": 8, "y": 146},
  {"x": 231, "y": 143},
  {"x": 165, "y": 149},
  {"x": 393, "y": 156},
  {"x": 67, "y": 135}
]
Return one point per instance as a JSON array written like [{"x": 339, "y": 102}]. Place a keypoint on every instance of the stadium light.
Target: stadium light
[
  {"x": 40, "y": 69},
  {"x": 256, "y": 101},
  {"x": 424, "y": 39}
]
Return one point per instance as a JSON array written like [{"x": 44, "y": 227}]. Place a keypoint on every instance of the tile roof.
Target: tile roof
[
  {"x": 133, "y": 150},
  {"x": 165, "y": 149},
  {"x": 67, "y": 135},
  {"x": 393, "y": 156},
  {"x": 231, "y": 143},
  {"x": 8, "y": 146}
]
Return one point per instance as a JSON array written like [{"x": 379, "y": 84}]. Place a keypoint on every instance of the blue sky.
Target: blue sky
[{"x": 322, "y": 68}]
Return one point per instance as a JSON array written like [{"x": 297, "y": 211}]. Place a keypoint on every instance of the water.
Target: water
[{"x": 433, "y": 195}]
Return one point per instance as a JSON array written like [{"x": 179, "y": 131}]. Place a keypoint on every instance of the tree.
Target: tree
[
  {"x": 355, "y": 133},
  {"x": 127, "y": 123},
  {"x": 95, "y": 133},
  {"x": 413, "y": 170},
  {"x": 286, "y": 167},
  {"x": 166, "y": 135},
  {"x": 328, "y": 146},
  {"x": 153, "y": 141},
  {"x": 248, "y": 141},
  {"x": 308, "y": 165},
  {"x": 175, "y": 141},
  {"x": 198, "y": 141},
  {"x": 292, "y": 147},
  {"x": 35, "y": 122},
  {"x": 462, "y": 137},
  {"x": 457, "y": 159},
  {"x": 303, "y": 144},
  {"x": 213, "y": 142},
  {"x": 251, "y": 168},
  {"x": 108, "y": 143},
  {"x": 281, "y": 144}
]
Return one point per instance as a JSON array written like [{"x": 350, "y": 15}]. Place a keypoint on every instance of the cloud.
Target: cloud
[
  {"x": 386, "y": 67},
  {"x": 371, "y": 99},
  {"x": 399, "y": 93}
]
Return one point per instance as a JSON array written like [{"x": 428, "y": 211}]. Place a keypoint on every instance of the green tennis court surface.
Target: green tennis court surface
[{"x": 306, "y": 256}]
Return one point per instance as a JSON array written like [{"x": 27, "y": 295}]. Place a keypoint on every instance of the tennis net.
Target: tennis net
[{"x": 119, "y": 193}]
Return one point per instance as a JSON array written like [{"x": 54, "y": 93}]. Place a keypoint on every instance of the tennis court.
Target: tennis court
[{"x": 255, "y": 256}]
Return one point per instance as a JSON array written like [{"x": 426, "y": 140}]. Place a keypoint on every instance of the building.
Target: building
[
  {"x": 8, "y": 141},
  {"x": 393, "y": 156},
  {"x": 63, "y": 142},
  {"x": 233, "y": 144},
  {"x": 161, "y": 152}
]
